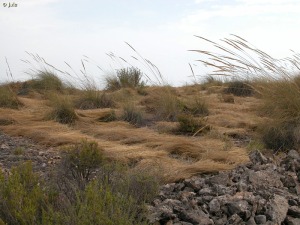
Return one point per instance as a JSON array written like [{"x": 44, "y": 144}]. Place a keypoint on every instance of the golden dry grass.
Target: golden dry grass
[{"x": 150, "y": 147}]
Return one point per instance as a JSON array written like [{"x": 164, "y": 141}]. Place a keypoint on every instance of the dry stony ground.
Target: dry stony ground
[{"x": 15, "y": 150}]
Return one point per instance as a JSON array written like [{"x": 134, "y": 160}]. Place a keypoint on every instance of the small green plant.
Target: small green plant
[
  {"x": 278, "y": 136},
  {"x": 125, "y": 78},
  {"x": 92, "y": 99},
  {"x": 190, "y": 125},
  {"x": 45, "y": 81},
  {"x": 82, "y": 159},
  {"x": 108, "y": 117},
  {"x": 132, "y": 115},
  {"x": 62, "y": 110},
  {"x": 19, "y": 151},
  {"x": 239, "y": 88},
  {"x": 197, "y": 107},
  {"x": 211, "y": 81},
  {"x": 21, "y": 196},
  {"x": 165, "y": 105},
  {"x": 8, "y": 99}
]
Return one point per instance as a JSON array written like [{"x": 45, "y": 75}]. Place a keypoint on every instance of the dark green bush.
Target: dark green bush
[
  {"x": 108, "y": 117},
  {"x": 45, "y": 81},
  {"x": 132, "y": 115},
  {"x": 197, "y": 107},
  {"x": 21, "y": 197},
  {"x": 239, "y": 88},
  {"x": 8, "y": 99},
  {"x": 82, "y": 159},
  {"x": 93, "y": 99},
  {"x": 278, "y": 136},
  {"x": 62, "y": 110},
  {"x": 125, "y": 78},
  {"x": 190, "y": 125}
]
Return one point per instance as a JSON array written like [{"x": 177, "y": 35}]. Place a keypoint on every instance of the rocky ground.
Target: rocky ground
[
  {"x": 262, "y": 192},
  {"x": 15, "y": 150}
]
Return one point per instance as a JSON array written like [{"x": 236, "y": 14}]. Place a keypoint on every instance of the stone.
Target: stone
[
  {"x": 168, "y": 187},
  {"x": 294, "y": 211},
  {"x": 293, "y": 154},
  {"x": 289, "y": 181},
  {"x": 195, "y": 217},
  {"x": 234, "y": 220},
  {"x": 257, "y": 157},
  {"x": 277, "y": 209},
  {"x": 251, "y": 221},
  {"x": 214, "y": 206},
  {"x": 205, "y": 191},
  {"x": 292, "y": 221},
  {"x": 195, "y": 184},
  {"x": 261, "y": 179},
  {"x": 221, "y": 178},
  {"x": 4, "y": 147},
  {"x": 240, "y": 208},
  {"x": 260, "y": 219}
]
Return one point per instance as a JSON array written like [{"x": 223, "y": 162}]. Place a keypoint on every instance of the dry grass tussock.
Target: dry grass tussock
[{"x": 174, "y": 156}]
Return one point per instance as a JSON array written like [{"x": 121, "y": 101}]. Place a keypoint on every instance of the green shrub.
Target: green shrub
[
  {"x": 197, "y": 107},
  {"x": 62, "y": 110},
  {"x": 132, "y": 115},
  {"x": 45, "y": 81},
  {"x": 190, "y": 125},
  {"x": 82, "y": 159},
  {"x": 278, "y": 136},
  {"x": 8, "y": 98},
  {"x": 19, "y": 151},
  {"x": 211, "y": 81},
  {"x": 108, "y": 117},
  {"x": 92, "y": 99},
  {"x": 165, "y": 105},
  {"x": 125, "y": 78},
  {"x": 239, "y": 88},
  {"x": 281, "y": 103},
  {"x": 21, "y": 196}
]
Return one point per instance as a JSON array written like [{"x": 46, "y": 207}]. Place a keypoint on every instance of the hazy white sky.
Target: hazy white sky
[{"x": 161, "y": 30}]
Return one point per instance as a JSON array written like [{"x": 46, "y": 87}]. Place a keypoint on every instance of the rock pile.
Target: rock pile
[{"x": 262, "y": 192}]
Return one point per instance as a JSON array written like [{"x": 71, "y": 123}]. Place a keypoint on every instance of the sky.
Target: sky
[{"x": 161, "y": 31}]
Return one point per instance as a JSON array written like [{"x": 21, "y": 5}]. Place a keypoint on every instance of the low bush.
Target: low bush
[
  {"x": 21, "y": 197},
  {"x": 197, "y": 107},
  {"x": 132, "y": 115},
  {"x": 211, "y": 81},
  {"x": 108, "y": 117},
  {"x": 125, "y": 78},
  {"x": 62, "y": 110},
  {"x": 93, "y": 99},
  {"x": 278, "y": 137},
  {"x": 8, "y": 99},
  {"x": 239, "y": 88},
  {"x": 82, "y": 159},
  {"x": 45, "y": 81},
  {"x": 164, "y": 104},
  {"x": 192, "y": 126}
]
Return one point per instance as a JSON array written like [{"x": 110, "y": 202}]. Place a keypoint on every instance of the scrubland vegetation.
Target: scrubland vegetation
[{"x": 250, "y": 101}]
